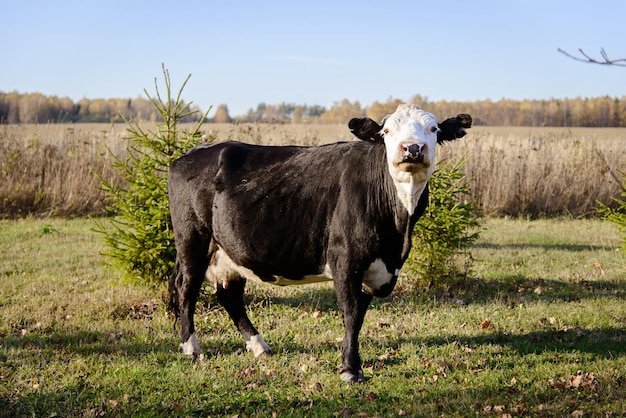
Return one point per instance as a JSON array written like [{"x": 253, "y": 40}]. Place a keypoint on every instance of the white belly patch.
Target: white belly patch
[
  {"x": 223, "y": 269},
  {"x": 376, "y": 276}
]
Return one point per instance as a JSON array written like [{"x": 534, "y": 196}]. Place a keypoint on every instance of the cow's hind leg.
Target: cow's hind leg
[
  {"x": 231, "y": 298},
  {"x": 187, "y": 279}
]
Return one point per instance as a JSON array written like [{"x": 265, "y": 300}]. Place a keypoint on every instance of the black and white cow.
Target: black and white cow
[{"x": 293, "y": 215}]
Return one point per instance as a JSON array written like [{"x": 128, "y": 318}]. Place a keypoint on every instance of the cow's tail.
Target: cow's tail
[{"x": 173, "y": 304}]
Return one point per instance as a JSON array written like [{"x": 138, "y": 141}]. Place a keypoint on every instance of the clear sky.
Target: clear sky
[{"x": 241, "y": 53}]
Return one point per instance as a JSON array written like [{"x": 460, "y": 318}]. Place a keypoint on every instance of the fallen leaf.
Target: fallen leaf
[
  {"x": 384, "y": 357},
  {"x": 485, "y": 324},
  {"x": 498, "y": 409},
  {"x": 519, "y": 409},
  {"x": 316, "y": 387},
  {"x": 444, "y": 365},
  {"x": 346, "y": 412},
  {"x": 371, "y": 396},
  {"x": 246, "y": 372},
  {"x": 316, "y": 314},
  {"x": 575, "y": 381}
]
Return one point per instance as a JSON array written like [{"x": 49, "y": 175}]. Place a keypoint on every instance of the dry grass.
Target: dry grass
[
  {"x": 542, "y": 171},
  {"x": 49, "y": 169}
]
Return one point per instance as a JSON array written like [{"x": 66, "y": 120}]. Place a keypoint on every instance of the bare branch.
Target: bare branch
[{"x": 586, "y": 58}]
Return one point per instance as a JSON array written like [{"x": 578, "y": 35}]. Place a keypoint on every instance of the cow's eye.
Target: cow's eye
[
  {"x": 385, "y": 131},
  {"x": 434, "y": 129}
]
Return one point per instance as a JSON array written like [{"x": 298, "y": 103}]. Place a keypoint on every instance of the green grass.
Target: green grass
[{"x": 538, "y": 330}]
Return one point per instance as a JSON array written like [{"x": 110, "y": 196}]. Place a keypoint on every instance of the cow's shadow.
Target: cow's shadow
[
  {"x": 517, "y": 288},
  {"x": 85, "y": 343},
  {"x": 508, "y": 289},
  {"x": 605, "y": 342},
  {"x": 551, "y": 246}
]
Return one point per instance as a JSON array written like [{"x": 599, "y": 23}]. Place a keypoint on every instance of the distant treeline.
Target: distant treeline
[
  {"x": 577, "y": 112},
  {"x": 37, "y": 108}
]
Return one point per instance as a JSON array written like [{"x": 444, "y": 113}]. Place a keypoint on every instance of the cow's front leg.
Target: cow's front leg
[{"x": 353, "y": 304}]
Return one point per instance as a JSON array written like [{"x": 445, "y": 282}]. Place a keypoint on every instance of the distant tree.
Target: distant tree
[
  {"x": 342, "y": 112},
  {"x": 221, "y": 114},
  {"x": 421, "y": 101},
  {"x": 315, "y": 111},
  {"x": 298, "y": 114},
  {"x": 378, "y": 111}
]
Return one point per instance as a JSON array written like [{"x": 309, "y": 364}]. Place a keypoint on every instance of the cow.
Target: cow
[{"x": 342, "y": 212}]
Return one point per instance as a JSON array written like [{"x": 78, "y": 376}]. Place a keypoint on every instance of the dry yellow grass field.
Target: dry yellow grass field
[{"x": 516, "y": 171}]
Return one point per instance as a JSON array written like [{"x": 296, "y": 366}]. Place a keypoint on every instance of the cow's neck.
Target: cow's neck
[{"x": 409, "y": 187}]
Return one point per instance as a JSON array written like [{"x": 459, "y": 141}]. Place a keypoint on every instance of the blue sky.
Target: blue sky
[{"x": 241, "y": 53}]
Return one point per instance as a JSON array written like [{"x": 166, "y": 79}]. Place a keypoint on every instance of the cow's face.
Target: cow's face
[{"x": 410, "y": 136}]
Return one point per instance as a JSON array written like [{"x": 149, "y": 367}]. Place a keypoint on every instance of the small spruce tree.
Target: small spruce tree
[
  {"x": 139, "y": 234},
  {"x": 442, "y": 235}
]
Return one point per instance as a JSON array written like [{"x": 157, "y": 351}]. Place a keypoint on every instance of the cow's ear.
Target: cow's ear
[
  {"x": 453, "y": 128},
  {"x": 365, "y": 129}
]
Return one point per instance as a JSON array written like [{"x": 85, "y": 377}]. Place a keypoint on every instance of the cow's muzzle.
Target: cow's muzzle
[{"x": 413, "y": 153}]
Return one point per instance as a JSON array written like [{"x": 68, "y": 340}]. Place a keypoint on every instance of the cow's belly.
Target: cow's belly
[{"x": 223, "y": 269}]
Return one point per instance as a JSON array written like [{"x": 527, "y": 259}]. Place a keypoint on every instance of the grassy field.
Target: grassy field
[{"x": 538, "y": 330}]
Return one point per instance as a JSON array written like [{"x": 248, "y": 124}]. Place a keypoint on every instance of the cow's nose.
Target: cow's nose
[{"x": 413, "y": 150}]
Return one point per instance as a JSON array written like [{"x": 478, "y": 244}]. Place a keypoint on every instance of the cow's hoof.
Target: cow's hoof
[
  {"x": 191, "y": 348},
  {"x": 258, "y": 346},
  {"x": 350, "y": 377}
]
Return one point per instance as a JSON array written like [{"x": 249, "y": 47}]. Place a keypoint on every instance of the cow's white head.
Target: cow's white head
[{"x": 410, "y": 135}]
